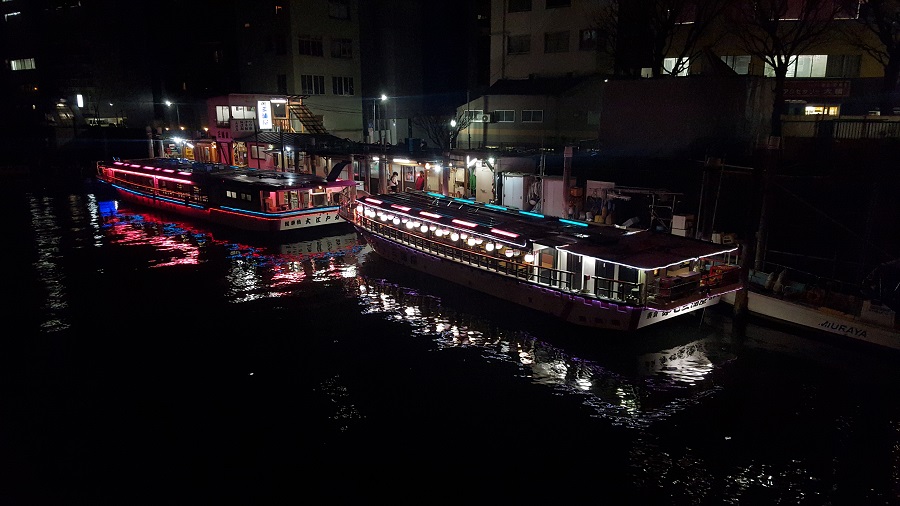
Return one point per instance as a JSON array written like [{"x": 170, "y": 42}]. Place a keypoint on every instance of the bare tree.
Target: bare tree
[
  {"x": 681, "y": 28},
  {"x": 442, "y": 130},
  {"x": 639, "y": 33},
  {"x": 777, "y": 32},
  {"x": 880, "y": 39},
  {"x": 605, "y": 25}
]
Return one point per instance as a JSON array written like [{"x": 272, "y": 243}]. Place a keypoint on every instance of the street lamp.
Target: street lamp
[
  {"x": 375, "y": 117},
  {"x": 452, "y": 128},
  {"x": 177, "y": 112}
]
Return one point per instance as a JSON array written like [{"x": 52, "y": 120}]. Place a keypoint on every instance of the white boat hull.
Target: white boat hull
[
  {"x": 818, "y": 319},
  {"x": 583, "y": 311}
]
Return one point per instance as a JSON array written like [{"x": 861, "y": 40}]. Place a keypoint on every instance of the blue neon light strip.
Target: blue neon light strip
[
  {"x": 464, "y": 201},
  {"x": 438, "y": 195},
  {"x": 528, "y": 213},
  {"x": 570, "y": 222},
  {"x": 494, "y": 206}
]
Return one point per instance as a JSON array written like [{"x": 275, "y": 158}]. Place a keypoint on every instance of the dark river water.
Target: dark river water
[{"x": 147, "y": 360}]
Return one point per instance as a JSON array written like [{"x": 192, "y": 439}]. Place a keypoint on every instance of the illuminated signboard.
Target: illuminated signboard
[{"x": 265, "y": 114}]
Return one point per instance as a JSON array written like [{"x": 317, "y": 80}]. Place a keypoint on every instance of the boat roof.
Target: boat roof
[
  {"x": 264, "y": 179},
  {"x": 638, "y": 248}
]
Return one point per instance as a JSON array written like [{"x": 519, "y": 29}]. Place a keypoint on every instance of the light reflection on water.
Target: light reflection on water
[
  {"x": 648, "y": 394},
  {"x": 655, "y": 388}
]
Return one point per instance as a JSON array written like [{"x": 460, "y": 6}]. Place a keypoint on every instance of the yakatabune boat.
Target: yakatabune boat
[
  {"x": 600, "y": 276},
  {"x": 239, "y": 197}
]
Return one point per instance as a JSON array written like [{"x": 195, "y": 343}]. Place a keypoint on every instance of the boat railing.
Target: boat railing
[
  {"x": 186, "y": 196},
  {"x": 564, "y": 281}
]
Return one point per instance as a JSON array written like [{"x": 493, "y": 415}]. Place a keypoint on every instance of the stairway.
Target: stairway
[{"x": 311, "y": 123}]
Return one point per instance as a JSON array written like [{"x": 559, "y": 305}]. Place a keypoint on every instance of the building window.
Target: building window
[
  {"x": 311, "y": 46},
  {"x": 532, "y": 116},
  {"x": 587, "y": 40},
  {"x": 243, "y": 112},
  {"x": 231, "y": 194},
  {"x": 342, "y": 48},
  {"x": 339, "y": 9},
  {"x": 740, "y": 64},
  {"x": 669, "y": 66},
  {"x": 843, "y": 65},
  {"x": 22, "y": 64},
  {"x": 553, "y": 4},
  {"x": 222, "y": 116},
  {"x": 504, "y": 116},
  {"x": 518, "y": 44},
  {"x": 342, "y": 85},
  {"x": 475, "y": 115},
  {"x": 312, "y": 85},
  {"x": 556, "y": 42},
  {"x": 805, "y": 65},
  {"x": 519, "y": 6},
  {"x": 282, "y": 84}
]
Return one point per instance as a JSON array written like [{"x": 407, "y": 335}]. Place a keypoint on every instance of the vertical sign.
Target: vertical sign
[{"x": 265, "y": 114}]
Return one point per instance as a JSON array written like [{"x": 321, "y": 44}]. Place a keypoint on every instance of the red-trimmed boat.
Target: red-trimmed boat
[
  {"x": 601, "y": 276},
  {"x": 239, "y": 197}
]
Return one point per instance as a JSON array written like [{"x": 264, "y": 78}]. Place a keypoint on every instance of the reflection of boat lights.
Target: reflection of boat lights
[{"x": 620, "y": 399}]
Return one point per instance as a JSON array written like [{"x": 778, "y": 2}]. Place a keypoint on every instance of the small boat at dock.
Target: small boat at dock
[
  {"x": 824, "y": 311},
  {"x": 588, "y": 274},
  {"x": 238, "y": 197}
]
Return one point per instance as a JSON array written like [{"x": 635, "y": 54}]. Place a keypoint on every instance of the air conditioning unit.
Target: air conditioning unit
[{"x": 485, "y": 118}]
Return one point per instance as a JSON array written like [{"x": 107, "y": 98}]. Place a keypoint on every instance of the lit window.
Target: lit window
[
  {"x": 669, "y": 66},
  {"x": 22, "y": 64}
]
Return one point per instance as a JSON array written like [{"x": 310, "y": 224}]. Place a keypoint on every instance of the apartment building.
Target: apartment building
[{"x": 557, "y": 79}]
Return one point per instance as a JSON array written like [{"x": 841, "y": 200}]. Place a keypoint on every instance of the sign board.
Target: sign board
[
  {"x": 264, "y": 108},
  {"x": 799, "y": 89}
]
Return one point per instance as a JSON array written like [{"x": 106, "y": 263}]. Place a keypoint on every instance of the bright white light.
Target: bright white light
[
  {"x": 489, "y": 246},
  {"x": 396, "y": 221},
  {"x": 509, "y": 253},
  {"x": 471, "y": 241},
  {"x": 454, "y": 236},
  {"x": 529, "y": 258},
  {"x": 424, "y": 228}
]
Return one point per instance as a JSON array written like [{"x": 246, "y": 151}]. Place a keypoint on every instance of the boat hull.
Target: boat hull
[
  {"x": 817, "y": 319},
  {"x": 241, "y": 220},
  {"x": 578, "y": 310}
]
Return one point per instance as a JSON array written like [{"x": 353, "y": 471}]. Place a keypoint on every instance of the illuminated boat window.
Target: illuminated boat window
[
  {"x": 465, "y": 223},
  {"x": 504, "y": 233}
]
